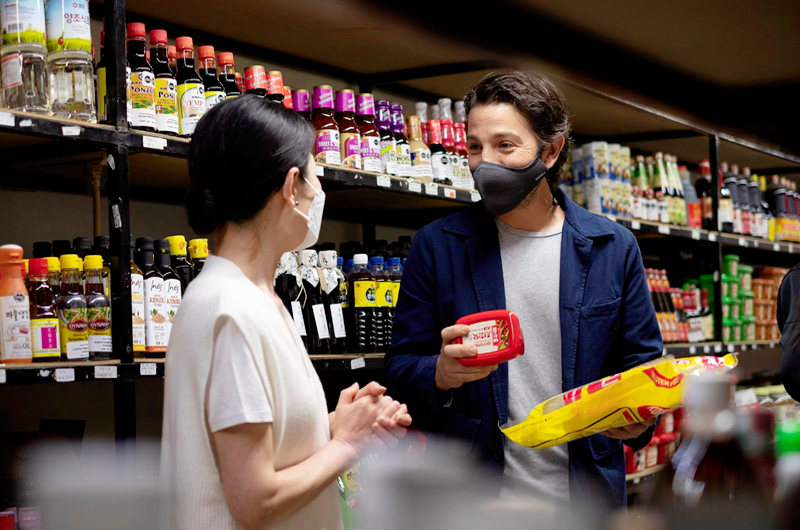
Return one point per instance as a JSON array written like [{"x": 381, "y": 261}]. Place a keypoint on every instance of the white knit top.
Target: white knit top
[{"x": 300, "y": 426}]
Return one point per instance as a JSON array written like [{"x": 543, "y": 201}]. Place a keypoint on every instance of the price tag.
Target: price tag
[
  {"x": 25, "y": 123},
  {"x": 791, "y": 248},
  {"x": 6, "y": 119},
  {"x": 475, "y": 196},
  {"x": 731, "y": 348},
  {"x": 154, "y": 142},
  {"x": 742, "y": 242},
  {"x": 116, "y": 215},
  {"x": 65, "y": 375},
  {"x": 357, "y": 363},
  {"x": 432, "y": 189},
  {"x": 147, "y": 369},
  {"x": 450, "y": 193},
  {"x": 2, "y": 376},
  {"x": 771, "y": 344},
  {"x": 70, "y": 130},
  {"x": 755, "y": 244},
  {"x": 415, "y": 187},
  {"x": 664, "y": 352},
  {"x": 105, "y": 372},
  {"x": 696, "y": 235},
  {"x": 706, "y": 349},
  {"x": 718, "y": 348},
  {"x": 384, "y": 182},
  {"x": 744, "y": 347},
  {"x": 636, "y": 225},
  {"x": 664, "y": 229},
  {"x": 692, "y": 350},
  {"x": 776, "y": 247},
  {"x": 716, "y": 276},
  {"x": 746, "y": 397},
  {"x": 320, "y": 171},
  {"x": 712, "y": 237}
]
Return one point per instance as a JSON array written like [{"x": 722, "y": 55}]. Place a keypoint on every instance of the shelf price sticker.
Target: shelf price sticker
[
  {"x": 706, "y": 349},
  {"x": 742, "y": 242},
  {"x": 415, "y": 187},
  {"x": 791, "y": 248},
  {"x": 664, "y": 229},
  {"x": 692, "y": 350},
  {"x": 154, "y": 142},
  {"x": 712, "y": 237},
  {"x": 2, "y": 376},
  {"x": 450, "y": 193},
  {"x": 718, "y": 348},
  {"x": 105, "y": 372},
  {"x": 636, "y": 225},
  {"x": 776, "y": 247},
  {"x": 475, "y": 196},
  {"x": 732, "y": 348},
  {"x": 432, "y": 189},
  {"x": 384, "y": 181},
  {"x": 320, "y": 171},
  {"x": 6, "y": 119},
  {"x": 357, "y": 363},
  {"x": 696, "y": 235},
  {"x": 65, "y": 375},
  {"x": 70, "y": 130},
  {"x": 147, "y": 369}
]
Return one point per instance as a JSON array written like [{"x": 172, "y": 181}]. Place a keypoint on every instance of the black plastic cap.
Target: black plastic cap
[
  {"x": 42, "y": 249},
  {"x": 144, "y": 243}
]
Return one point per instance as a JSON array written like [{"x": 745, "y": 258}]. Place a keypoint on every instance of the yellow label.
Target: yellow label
[
  {"x": 102, "y": 95},
  {"x": 166, "y": 105},
  {"x": 74, "y": 331},
  {"x": 365, "y": 293},
  {"x": 343, "y": 292},
  {"x": 213, "y": 97},
  {"x": 143, "y": 112},
  {"x": 384, "y": 295},
  {"x": 395, "y": 293},
  {"x": 191, "y": 106}
]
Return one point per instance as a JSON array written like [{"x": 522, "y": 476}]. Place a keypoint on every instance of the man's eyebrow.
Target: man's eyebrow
[{"x": 502, "y": 134}]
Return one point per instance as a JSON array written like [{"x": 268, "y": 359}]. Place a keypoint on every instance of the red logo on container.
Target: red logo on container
[
  {"x": 274, "y": 83},
  {"x": 100, "y": 324},
  {"x": 572, "y": 396},
  {"x": 603, "y": 383},
  {"x": 255, "y": 78},
  {"x": 78, "y": 326},
  {"x": 650, "y": 411},
  {"x": 660, "y": 380}
]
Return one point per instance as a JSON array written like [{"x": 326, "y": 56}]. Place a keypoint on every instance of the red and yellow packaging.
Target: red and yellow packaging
[
  {"x": 634, "y": 396},
  {"x": 497, "y": 335}
]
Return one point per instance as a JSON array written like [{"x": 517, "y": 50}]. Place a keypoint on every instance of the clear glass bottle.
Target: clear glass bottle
[{"x": 24, "y": 78}]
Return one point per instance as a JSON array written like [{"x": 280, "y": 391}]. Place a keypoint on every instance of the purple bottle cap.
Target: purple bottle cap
[
  {"x": 300, "y": 101},
  {"x": 366, "y": 105},
  {"x": 397, "y": 118},
  {"x": 323, "y": 97},
  {"x": 345, "y": 101}
]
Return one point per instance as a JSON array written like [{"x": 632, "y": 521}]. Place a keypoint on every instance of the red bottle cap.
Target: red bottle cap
[
  {"x": 38, "y": 267},
  {"x": 136, "y": 29},
  {"x": 172, "y": 52},
  {"x": 435, "y": 131},
  {"x": 287, "y": 97},
  {"x": 184, "y": 43},
  {"x": 205, "y": 52},
  {"x": 255, "y": 77},
  {"x": 224, "y": 58},
  {"x": 158, "y": 36},
  {"x": 274, "y": 82},
  {"x": 497, "y": 335}
]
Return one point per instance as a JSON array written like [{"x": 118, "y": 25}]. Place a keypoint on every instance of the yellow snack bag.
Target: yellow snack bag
[{"x": 633, "y": 396}]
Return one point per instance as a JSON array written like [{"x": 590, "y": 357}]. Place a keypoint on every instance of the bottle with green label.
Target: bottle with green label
[
  {"x": 214, "y": 91},
  {"x": 142, "y": 114},
  {"x": 166, "y": 86},
  {"x": 191, "y": 93},
  {"x": 23, "y": 57}
]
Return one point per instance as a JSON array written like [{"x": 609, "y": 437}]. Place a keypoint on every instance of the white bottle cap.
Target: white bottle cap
[
  {"x": 327, "y": 258},
  {"x": 360, "y": 259},
  {"x": 308, "y": 258}
]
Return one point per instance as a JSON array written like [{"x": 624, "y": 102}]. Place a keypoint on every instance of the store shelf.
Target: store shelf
[
  {"x": 636, "y": 478},
  {"x": 58, "y": 372},
  {"x": 717, "y": 348},
  {"x": 734, "y": 240},
  {"x": 328, "y": 363}
]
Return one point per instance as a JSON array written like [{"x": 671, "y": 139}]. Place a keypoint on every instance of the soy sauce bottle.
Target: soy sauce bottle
[
  {"x": 45, "y": 343},
  {"x": 331, "y": 299},
  {"x": 178, "y": 261},
  {"x": 166, "y": 85},
  {"x": 227, "y": 75},
  {"x": 142, "y": 114},
  {"x": 362, "y": 291},
  {"x": 314, "y": 309},
  {"x": 191, "y": 93},
  {"x": 383, "y": 303},
  {"x": 214, "y": 91},
  {"x": 288, "y": 286}
]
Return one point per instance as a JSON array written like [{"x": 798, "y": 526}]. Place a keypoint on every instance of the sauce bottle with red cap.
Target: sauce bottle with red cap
[
  {"x": 142, "y": 114},
  {"x": 301, "y": 103},
  {"x": 326, "y": 146},
  {"x": 287, "y": 97},
  {"x": 370, "y": 136},
  {"x": 214, "y": 91},
  {"x": 240, "y": 82},
  {"x": 275, "y": 86},
  {"x": 191, "y": 93},
  {"x": 349, "y": 136},
  {"x": 227, "y": 75},
  {"x": 45, "y": 342},
  {"x": 166, "y": 86},
  {"x": 15, "y": 320},
  {"x": 255, "y": 80}
]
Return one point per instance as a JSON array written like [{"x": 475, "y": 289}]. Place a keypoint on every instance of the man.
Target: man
[{"x": 574, "y": 279}]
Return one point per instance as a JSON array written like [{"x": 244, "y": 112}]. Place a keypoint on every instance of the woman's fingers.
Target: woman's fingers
[
  {"x": 386, "y": 437},
  {"x": 372, "y": 389},
  {"x": 348, "y": 395}
]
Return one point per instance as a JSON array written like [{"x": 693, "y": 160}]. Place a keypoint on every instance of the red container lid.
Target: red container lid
[
  {"x": 158, "y": 36},
  {"x": 274, "y": 82},
  {"x": 656, "y": 440},
  {"x": 184, "y": 43},
  {"x": 172, "y": 52},
  {"x": 205, "y": 52},
  {"x": 103, "y": 38},
  {"x": 497, "y": 334},
  {"x": 136, "y": 29},
  {"x": 38, "y": 267},
  {"x": 287, "y": 97},
  {"x": 224, "y": 58}
]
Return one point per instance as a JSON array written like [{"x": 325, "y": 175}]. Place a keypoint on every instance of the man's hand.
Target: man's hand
[
  {"x": 449, "y": 372},
  {"x": 629, "y": 432}
]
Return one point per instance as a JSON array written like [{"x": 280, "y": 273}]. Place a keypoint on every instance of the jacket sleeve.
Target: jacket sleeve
[
  {"x": 789, "y": 324},
  {"x": 416, "y": 340},
  {"x": 640, "y": 336}
]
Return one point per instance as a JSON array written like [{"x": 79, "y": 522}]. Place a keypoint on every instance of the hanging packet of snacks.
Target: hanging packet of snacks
[{"x": 633, "y": 396}]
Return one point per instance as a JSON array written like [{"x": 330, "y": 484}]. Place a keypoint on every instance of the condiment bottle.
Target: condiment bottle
[
  {"x": 100, "y": 71},
  {"x": 198, "y": 251},
  {"x": 240, "y": 82},
  {"x": 173, "y": 292},
  {"x": 54, "y": 275},
  {"x": 420, "y": 153},
  {"x": 214, "y": 91},
  {"x": 45, "y": 342},
  {"x": 24, "y": 81},
  {"x": 287, "y": 97},
  {"x": 288, "y": 286},
  {"x": 349, "y": 137},
  {"x": 191, "y": 93},
  {"x": 71, "y": 306},
  {"x": 361, "y": 321},
  {"x": 98, "y": 310},
  {"x": 178, "y": 261},
  {"x": 137, "y": 305},
  {"x": 101, "y": 247},
  {"x": 255, "y": 80},
  {"x": 383, "y": 303},
  {"x": 274, "y": 86},
  {"x": 448, "y": 136},
  {"x": 440, "y": 158},
  {"x": 331, "y": 300},
  {"x": 370, "y": 136},
  {"x": 155, "y": 319},
  {"x": 301, "y": 103},
  {"x": 388, "y": 144},
  {"x": 313, "y": 307},
  {"x": 326, "y": 147},
  {"x": 143, "y": 112},
  {"x": 15, "y": 322},
  {"x": 172, "y": 54},
  {"x": 403, "y": 146},
  {"x": 166, "y": 85},
  {"x": 227, "y": 75},
  {"x": 395, "y": 273},
  {"x": 82, "y": 246},
  {"x": 463, "y": 155},
  {"x": 421, "y": 109}
]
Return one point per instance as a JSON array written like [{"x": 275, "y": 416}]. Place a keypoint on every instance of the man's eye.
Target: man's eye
[
  {"x": 505, "y": 145},
  {"x": 474, "y": 147}
]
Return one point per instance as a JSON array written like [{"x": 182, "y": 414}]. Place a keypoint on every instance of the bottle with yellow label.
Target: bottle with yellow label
[
  {"x": 383, "y": 302},
  {"x": 137, "y": 305},
  {"x": 362, "y": 291},
  {"x": 198, "y": 251},
  {"x": 142, "y": 114},
  {"x": 71, "y": 309},
  {"x": 98, "y": 310},
  {"x": 191, "y": 93},
  {"x": 214, "y": 91},
  {"x": 45, "y": 344},
  {"x": 166, "y": 86}
]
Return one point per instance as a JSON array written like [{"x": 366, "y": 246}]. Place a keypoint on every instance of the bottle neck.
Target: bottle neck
[
  {"x": 137, "y": 48},
  {"x": 71, "y": 277},
  {"x": 94, "y": 276}
]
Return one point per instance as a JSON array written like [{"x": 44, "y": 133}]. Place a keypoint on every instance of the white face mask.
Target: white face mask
[{"x": 313, "y": 219}]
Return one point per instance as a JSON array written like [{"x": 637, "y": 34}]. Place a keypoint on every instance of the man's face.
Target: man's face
[{"x": 500, "y": 135}]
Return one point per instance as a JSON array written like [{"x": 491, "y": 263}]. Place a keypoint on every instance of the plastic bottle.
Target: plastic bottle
[
  {"x": 227, "y": 75},
  {"x": 23, "y": 56},
  {"x": 45, "y": 342},
  {"x": 98, "y": 310},
  {"x": 401, "y": 141},
  {"x": 137, "y": 305},
  {"x": 154, "y": 300},
  {"x": 15, "y": 324},
  {"x": 349, "y": 136},
  {"x": 395, "y": 274},
  {"x": 383, "y": 303},
  {"x": 440, "y": 158},
  {"x": 166, "y": 85},
  {"x": 288, "y": 286},
  {"x": 370, "y": 135},
  {"x": 301, "y": 103},
  {"x": 143, "y": 112},
  {"x": 388, "y": 142},
  {"x": 71, "y": 306},
  {"x": 314, "y": 308},
  {"x": 331, "y": 299},
  {"x": 214, "y": 91},
  {"x": 198, "y": 252},
  {"x": 362, "y": 291},
  {"x": 191, "y": 93},
  {"x": 327, "y": 148},
  {"x": 178, "y": 261}
]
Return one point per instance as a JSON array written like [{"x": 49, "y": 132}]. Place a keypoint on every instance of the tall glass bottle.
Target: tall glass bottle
[
  {"x": 173, "y": 292},
  {"x": 214, "y": 92},
  {"x": 154, "y": 308},
  {"x": 178, "y": 261},
  {"x": 388, "y": 140},
  {"x": 98, "y": 310},
  {"x": 349, "y": 137},
  {"x": 101, "y": 247},
  {"x": 23, "y": 57},
  {"x": 314, "y": 309},
  {"x": 744, "y": 200},
  {"x": 330, "y": 295},
  {"x": 327, "y": 145},
  {"x": 448, "y": 137},
  {"x": 45, "y": 343},
  {"x": 166, "y": 86},
  {"x": 198, "y": 251},
  {"x": 82, "y": 246},
  {"x": 401, "y": 142},
  {"x": 227, "y": 75},
  {"x": 289, "y": 287},
  {"x": 463, "y": 157},
  {"x": 143, "y": 111},
  {"x": 54, "y": 275},
  {"x": 71, "y": 305},
  {"x": 703, "y": 188},
  {"x": 440, "y": 158},
  {"x": 420, "y": 153},
  {"x": 370, "y": 135},
  {"x": 301, "y": 103},
  {"x": 172, "y": 54},
  {"x": 362, "y": 305},
  {"x": 191, "y": 93},
  {"x": 137, "y": 305}
]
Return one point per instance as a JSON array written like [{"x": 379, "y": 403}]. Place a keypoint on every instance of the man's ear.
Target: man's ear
[
  {"x": 289, "y": 188},
  {"x": 550, "y": 156}
]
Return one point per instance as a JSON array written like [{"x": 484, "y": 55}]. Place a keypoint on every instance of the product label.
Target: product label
[
  {"x": 389, "y": 157},
  {"x": 337, "y": 316},
  {"x": 166, "y": 105},
  {"x": 488, "y": 336},
  {"x": 138, "y": 312},
  {"x": 155, "y": 327},
  {"x": 45, "y": 341},
  {"x": 321, "y": 321},
  {"x": 440, "y": 167},
  {"x": 191, "y": 106},
  {"x": 327, "y": 148},
  {"x": 172, "y": 303},
  {"x": 213, "y": 97},
  {"x": 421, "y": 164},
  {"x": 371, "y": 154},
  {"x": 23, "y": 21},
  {"x": 15, "y": 326},
  {"x": 11, "y": 70},
  {"x": 351, "y": 150},
  {"x": 68, "y": 26},
  {"x": 128, "y": 103},
  {"x": 99, "y": 329},
  {"x": 663, "y": 211},
  {"x": 297, "y": 316},
  {"x": 365, "y": 293},
  {"x": 74, "y": 331},
  {"x": 102, "y": 94},
  {"x": 403, "y": 160},
  {"x": 384, "y": 295},
  {"x": 395, "y": 293},
  {"x": 143, "y": 112}
]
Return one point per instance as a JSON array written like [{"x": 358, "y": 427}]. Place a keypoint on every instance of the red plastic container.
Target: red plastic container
[{"x": 497, "y": 334}]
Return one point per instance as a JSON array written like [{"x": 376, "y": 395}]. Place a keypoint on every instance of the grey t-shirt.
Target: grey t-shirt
[{"x": 531, "y": 272}]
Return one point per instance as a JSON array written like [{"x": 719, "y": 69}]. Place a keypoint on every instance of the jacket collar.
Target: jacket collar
[{"x": 475, "y": 220}]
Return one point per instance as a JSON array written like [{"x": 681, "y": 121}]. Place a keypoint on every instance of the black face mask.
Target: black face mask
[{"x": 503, "y": 188}]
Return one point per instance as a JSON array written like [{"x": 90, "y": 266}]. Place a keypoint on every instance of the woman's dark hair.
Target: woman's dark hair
[
  {"x": 239, "y": 155},
  {"x": 538, "y": 100}
]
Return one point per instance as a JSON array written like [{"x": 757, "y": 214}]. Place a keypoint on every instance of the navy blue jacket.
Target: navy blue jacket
[
  {"x": 608, "y": 325},
  {"x": 789, "y": 324}
]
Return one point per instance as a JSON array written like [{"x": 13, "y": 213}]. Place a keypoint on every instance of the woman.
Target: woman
[
  {"x": 247, "y": 439},
  {"x": 789, "y": 324}
]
